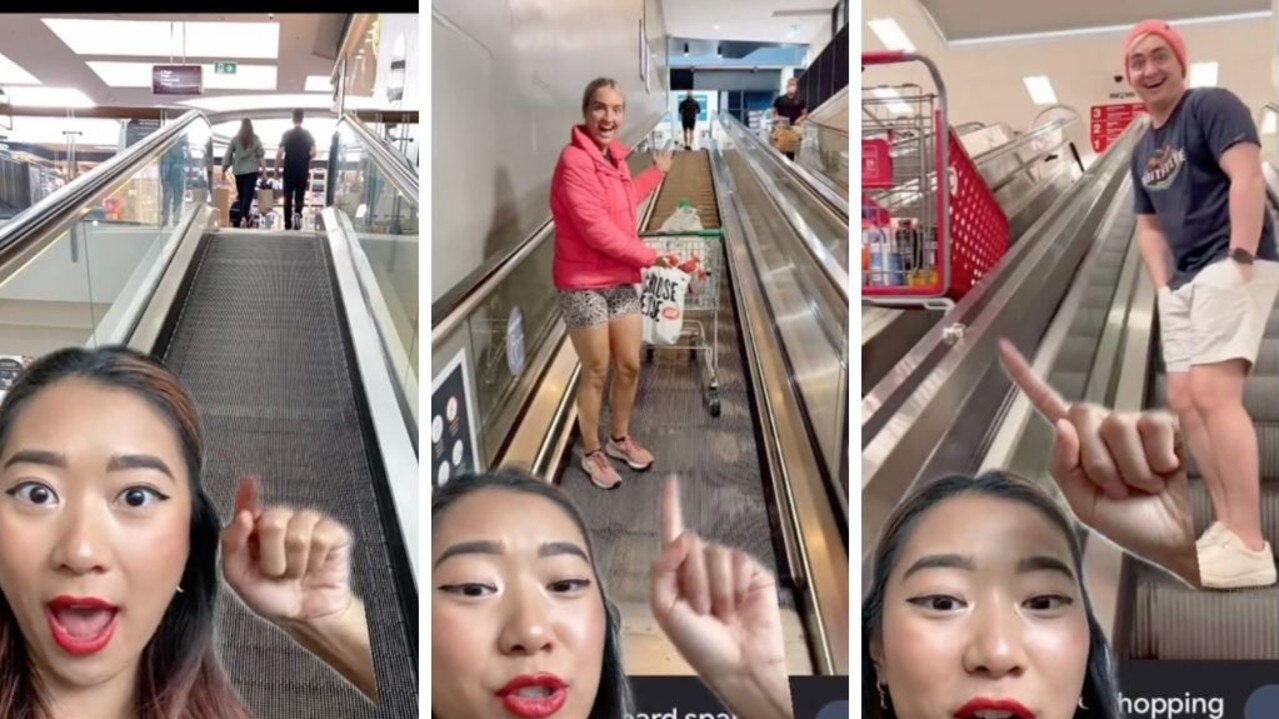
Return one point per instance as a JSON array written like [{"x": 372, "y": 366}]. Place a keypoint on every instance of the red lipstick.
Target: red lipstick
[
  {"x": 982, "y": 708},
  {"x": 82, "y": 626},
  {"x": 534, "y": 696}
]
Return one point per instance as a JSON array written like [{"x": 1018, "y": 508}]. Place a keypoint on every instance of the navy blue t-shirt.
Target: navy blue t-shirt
[{"x": 1177, "y": 176}]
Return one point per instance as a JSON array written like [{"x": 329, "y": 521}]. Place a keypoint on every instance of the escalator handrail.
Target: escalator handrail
[
  {"x": 822, "y": 190},
  {"x": 352, "y": 118},
  {"x": 1020, "y": 141},
  {"x": 446, "y": 319},
  {"x": 37, "y": 218},
  {"x": 834, "y": 274},
  {"x": 824, "y": 126},
  {"x": 395, "y": 168}
]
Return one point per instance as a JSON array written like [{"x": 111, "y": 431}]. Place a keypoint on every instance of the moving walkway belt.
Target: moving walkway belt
[
  {"x": 260, "y": 340},
  {"x": 1165, "y": 619}
]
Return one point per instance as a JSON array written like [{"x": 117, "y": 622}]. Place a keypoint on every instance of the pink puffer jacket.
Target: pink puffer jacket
[{"x": 593, "y": 203}]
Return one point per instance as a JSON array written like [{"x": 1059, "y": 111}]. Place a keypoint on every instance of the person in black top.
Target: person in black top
[
  {"x": 688, "y": 112},
  {"x": 293, "y": 160},
  {"x": 791, "y": 107}
]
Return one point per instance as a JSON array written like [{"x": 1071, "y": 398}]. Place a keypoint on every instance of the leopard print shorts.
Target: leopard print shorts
[{"x": 591, "y": 308}]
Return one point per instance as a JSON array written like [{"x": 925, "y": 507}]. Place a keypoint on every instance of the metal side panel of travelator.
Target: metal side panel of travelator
[
  {"x": 286, "y": 343},
  {"x": 699, "y": 404}
]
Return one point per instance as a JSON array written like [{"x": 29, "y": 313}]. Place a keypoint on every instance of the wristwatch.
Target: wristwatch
[{"x": 1241, "y": 256}]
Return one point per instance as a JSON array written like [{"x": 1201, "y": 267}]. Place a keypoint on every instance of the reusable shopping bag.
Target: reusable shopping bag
[{"x": 662, "y": 304}]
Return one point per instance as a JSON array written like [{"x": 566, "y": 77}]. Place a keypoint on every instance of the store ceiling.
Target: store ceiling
[
  {"x": 970, "y": 19},
  {"x": 774, "y": 21},
  {"x": 307, "y": 46}
]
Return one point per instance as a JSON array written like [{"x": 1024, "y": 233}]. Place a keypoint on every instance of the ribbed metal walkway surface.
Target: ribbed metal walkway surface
[{"x": 260, "y": 343}]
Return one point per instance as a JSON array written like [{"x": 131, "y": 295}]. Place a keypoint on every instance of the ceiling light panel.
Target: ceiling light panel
[
  {"x": 891, "y": 34},
  {"x": 11, "y": 73},
  {"x": 235, "y": 103},
  {"x": 1041, "y": 90},
  {"x": 47, "y": 97},
  {"x": 157, "y": 38},
  {"x": 138, "y": 74}
]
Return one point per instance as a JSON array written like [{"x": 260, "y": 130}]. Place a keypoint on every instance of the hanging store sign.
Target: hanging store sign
[
  {"x": 177, "y": 80},
  {"x": 1107, "y": 122}
]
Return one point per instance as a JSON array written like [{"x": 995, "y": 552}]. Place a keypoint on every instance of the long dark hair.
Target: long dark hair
[
  {"x": 179, "y": 674},
  {"x": 614, "y": 697},
  {"x": 1101, "y": 691},
  {"x": 245, "y": 135}
]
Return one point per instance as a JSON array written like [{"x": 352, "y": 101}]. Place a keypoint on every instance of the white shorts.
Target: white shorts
[{"x": 1216, "y": 317}]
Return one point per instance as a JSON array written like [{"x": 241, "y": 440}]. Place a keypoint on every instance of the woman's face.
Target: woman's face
[
  {"x": 95, "y": 515},
  {"x": 983, "y": 611},
  {"x": 517, "y": 621},
  {"x": 604, "y": 115}
]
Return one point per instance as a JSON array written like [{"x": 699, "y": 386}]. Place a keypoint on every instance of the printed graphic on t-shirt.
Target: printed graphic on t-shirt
[{"x": 1163, "y": 167}]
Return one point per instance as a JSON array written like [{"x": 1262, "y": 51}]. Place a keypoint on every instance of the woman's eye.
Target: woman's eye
[
  {"x": 34, "y": 493},
  {"x": 468, "y": 590},
  {"x": 938, "y": 602},
  {"x": 1048, "y": 602},
  {"x": 566, "y": 586},
  {"x": 140, "y": 497}
]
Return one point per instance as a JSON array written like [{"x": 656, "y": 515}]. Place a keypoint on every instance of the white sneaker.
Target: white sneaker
[
  {"x": 1229, "y": 564},
  {"x": 1212, "y": 535}
]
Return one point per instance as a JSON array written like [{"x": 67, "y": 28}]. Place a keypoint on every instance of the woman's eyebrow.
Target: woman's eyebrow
[
  {"x": 31, "y": 456},
  {"x": 1044, "y": 563},
  {"x": 551, "y": 549},
  {"x": 468, "y": 548},
  {"x": 940, "y": 561},
  {"x": 122, "y": 462}
]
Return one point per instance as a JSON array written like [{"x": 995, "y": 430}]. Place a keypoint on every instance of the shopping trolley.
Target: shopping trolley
[
  {"x": 921, "y": 246},
  {"x": 701, "y": 254}
]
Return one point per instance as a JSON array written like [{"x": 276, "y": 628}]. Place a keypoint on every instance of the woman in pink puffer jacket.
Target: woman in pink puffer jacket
[{"x": 598, "y": 258}]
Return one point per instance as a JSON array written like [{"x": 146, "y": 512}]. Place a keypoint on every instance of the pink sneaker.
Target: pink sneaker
[
  {"x": 629, "y": 451},
  {"x": 600, "y": 471}
]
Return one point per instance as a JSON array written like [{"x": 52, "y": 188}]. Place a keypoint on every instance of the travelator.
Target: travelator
[
  {"x": 1027, "y": 173},
  {"x": 299, "y": 349},
  {"x": 769, "y": 474},
  {"x": 1076, "y": 299}
]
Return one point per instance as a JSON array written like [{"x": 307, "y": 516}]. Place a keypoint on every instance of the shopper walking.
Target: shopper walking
[
  {"x": 244, "y": 157},
  {"x": 790, "y": 107},
  {"x": 293, "y": 160},
  {"x": 688, "y": 112}
]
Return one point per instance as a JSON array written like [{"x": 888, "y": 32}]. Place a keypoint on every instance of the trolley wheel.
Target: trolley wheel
[
  {"x": 648, "y": 355},
  {"x": 715, "y": 406},
  {"x": 692, "y": 355}
]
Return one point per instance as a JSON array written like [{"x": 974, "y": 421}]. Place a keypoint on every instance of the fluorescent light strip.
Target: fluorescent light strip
[
  {"x": 11, "y": 73},
  {"x": 1107, "y": 29},
  {"x": 235, "y": 103},
  {"x": 1041, "y": 90},
  {"x": 895, "y": 104},
  {"x": 160, "y": 38},
  {"x": 48, "y": 97},
  {"x": 138, "y": 74},
  {"x": 891, "y": 34}
]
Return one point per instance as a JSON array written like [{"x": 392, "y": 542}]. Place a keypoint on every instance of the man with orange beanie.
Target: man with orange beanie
[{"x": 1206, "y": 239}]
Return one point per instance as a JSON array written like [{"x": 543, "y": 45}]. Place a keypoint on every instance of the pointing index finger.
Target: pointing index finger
[
  {"x": 1046, "y": 401},
  {"x": 672, "y": 514},
  {"x": 246, "y": 496}
]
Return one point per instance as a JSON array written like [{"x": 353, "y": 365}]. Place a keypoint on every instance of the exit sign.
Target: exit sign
[{"x": 224, "y": 68}]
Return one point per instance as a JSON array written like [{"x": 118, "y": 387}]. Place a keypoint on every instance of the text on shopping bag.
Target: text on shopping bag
[{"x": 662, "y": 304}]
